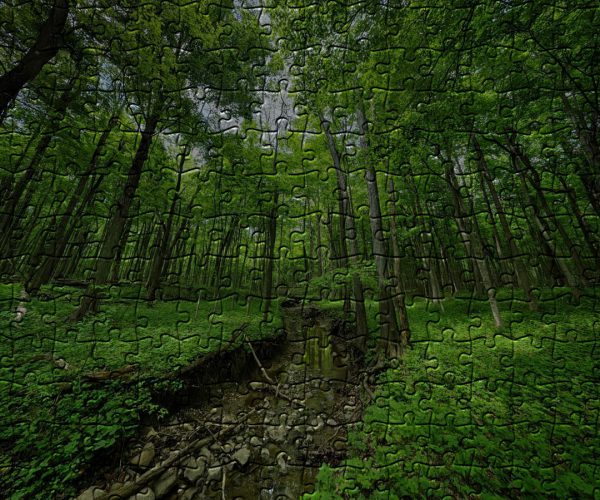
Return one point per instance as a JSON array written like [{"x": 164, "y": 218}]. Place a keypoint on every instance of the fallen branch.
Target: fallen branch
[
  {"x": 274, "y": 385},
  {"x": 130, "y": 489},
  {"x": 102, "y": 375},
  {"x": 262, "y": 368},
  {"x": 59, "y": 363}
]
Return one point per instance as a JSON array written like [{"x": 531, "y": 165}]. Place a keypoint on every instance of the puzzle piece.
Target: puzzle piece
[{"x": 319, "y": 250}]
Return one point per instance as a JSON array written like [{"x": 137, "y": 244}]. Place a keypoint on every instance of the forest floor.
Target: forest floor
[
  {"x": 470, "y": 411},
  {"x": 475, "y": 412},
  {"x": 286, "y": 422},
  {"x": 69, "y": 391}
]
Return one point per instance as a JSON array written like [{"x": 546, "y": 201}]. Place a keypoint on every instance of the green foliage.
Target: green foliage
[
  {"x": 49, "y": 440},
  {"x": 53, "y": 423},
  {"x": 471, "y": 412}
]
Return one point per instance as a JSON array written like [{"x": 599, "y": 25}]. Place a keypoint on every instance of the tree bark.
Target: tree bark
[
  {"x": 529, "y": 173},
  {"x": 270, "y": 257},
  {"x": 349, "y": 236},
  {"x": 519, "y": 266},
  {"x": 470, "y": 240},
  {"x": 55, "y": 250},
  {"x": 393, "y": 337},
  {"x": 156, "y": 267},
  {"x": 116, "y": 224},
  {"x": 46, "y": 46}
]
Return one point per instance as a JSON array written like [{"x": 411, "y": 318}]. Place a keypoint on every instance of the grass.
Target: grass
[
  {"x": 49, "y": 437},
  {"x": 476, "y": 412}
]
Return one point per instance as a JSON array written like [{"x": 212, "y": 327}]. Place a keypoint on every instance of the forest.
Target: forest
[{"x": 272, "y": 249}]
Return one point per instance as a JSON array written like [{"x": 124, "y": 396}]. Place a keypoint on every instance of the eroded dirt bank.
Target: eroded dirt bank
[{"x": 293, "y": 401}]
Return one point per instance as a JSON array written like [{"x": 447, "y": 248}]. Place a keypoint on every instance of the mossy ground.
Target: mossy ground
[
  {"x": 476, "y": 412},
  {"x": 49, "y": 436}
]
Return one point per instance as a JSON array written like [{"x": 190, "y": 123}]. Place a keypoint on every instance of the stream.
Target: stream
[{"x": 303, "y": 403}]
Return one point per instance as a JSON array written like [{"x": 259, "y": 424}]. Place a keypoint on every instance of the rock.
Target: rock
[
  {"x": 278, "y": 434},
  {"x": 282, "y": 459},
  {"x": 207, "y": 454},
  {"x": 255, "y": 441},
  {"x": 320, "y": 423},
  {"x": 144, "y": 458},
  {"x": 190, "y": 494},
  {"x": 150, "y": 432},
  {"x": 164, "y": 483},
  {"x": 145, "y": 494},
  {"x": 187, "y": 427},
  {"x": 331, "y": 422},
  {"x": 242, "y": 456},
  {"x": 227, "y": 448},
  {"x": 91, "y": 493},
  {"x": 339, "y": 445},
  {"x": 257, "y": 386},
  {"x": 194, "y": 469},
  {"x": 265, "y": 455},
  {"x": 214, "y": 473},
  {"x": 115, "y": 486}
]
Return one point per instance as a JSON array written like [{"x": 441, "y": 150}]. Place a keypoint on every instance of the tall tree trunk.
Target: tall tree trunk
[
  {"x": 115, "y": 272},
  {"x": 156, "y": 266},
  {"x": 587, "y": 132},
  {"x": 516, "y": 257},
  {"x": 348, "y": 235},
  {"x": 588, "y": 233},
  {"x": 14, "y": 206},
  {"x": 420, "y": 214},
  {"x": 392, "y": 338},
  {"x": 470, "y": 240},
  {"x": 517, "y": 157},
  {"x": 271, "y": 237},
  {"x": 55, "y": 250},
  {"x": 46, "y": 46},
  {"x": 118, "y": 219}
]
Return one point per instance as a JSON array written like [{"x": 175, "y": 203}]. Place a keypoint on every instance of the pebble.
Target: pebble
[
  {"x": 144, "y": 458},
  {"x": 214, "y": 473},
  {"x": 145, "y": 494},
  {"x": 242, "y": 456},
  {"x": 265, "y": 455},
  {"x": 194, "y": 469},
  {"x": 282, "y": 459},
  {"x": 190, "y": 494}
]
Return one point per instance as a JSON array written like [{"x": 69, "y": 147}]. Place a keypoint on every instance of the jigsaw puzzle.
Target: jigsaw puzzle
[{"x": 262, "y": 249}]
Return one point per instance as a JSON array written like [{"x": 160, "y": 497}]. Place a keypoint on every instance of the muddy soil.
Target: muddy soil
[{"x": 303, "y": 402}]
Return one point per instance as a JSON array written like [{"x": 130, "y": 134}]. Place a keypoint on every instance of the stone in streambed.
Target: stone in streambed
[
  {"x": 145, "y": 494},
  {"x": 164, "y": 483},
  {"x": 214, "y": 473},
  {"x": 144, "y": 458},
  {"x": 194, "y": 469},
  {"x": 242, "y": 456}
]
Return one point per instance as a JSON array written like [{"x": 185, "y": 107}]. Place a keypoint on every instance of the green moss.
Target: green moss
[
  {"x": 48, "y": 436},
  {"x": 474, "y": 412}
]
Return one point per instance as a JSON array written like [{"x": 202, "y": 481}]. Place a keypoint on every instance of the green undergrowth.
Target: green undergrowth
[
  {"x": 478, "y": 412},
  {"x": 54, "y": 422}
]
